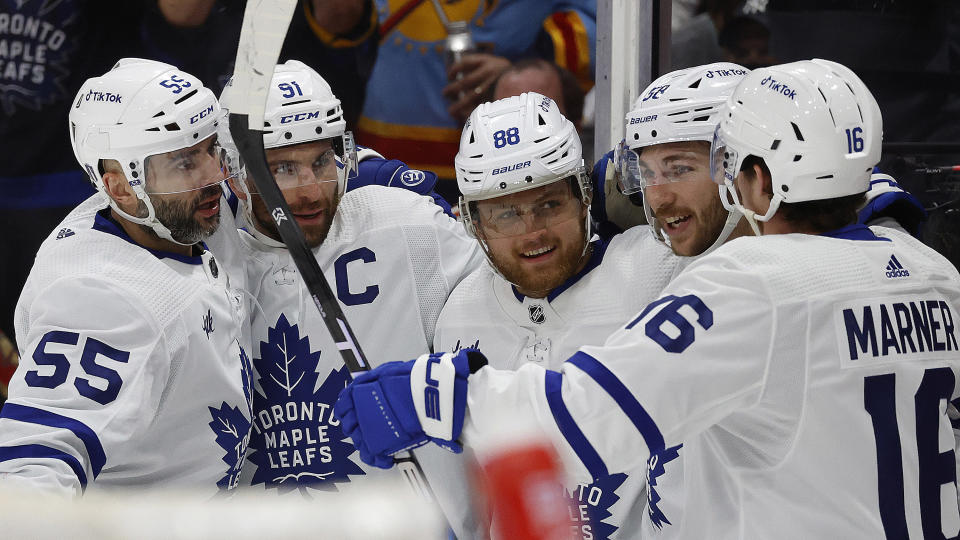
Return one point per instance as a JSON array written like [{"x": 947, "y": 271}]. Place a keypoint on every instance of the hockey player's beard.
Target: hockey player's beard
[
  {"x": 179, "y": 215},
  {"x": 315, "y": 230},
  {"x": 708, "y": 224},
  {"x": 537, "y": 282}
]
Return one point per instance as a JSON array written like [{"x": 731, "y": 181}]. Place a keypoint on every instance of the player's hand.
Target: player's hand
[
  {"x": 886, "y": 199},
  {"x": 470, "y": 78},
  {"x": 402, "y": 405}
]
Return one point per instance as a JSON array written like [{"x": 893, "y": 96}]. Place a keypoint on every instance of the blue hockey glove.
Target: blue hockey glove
[
  {"x": 402, "y": 405},
  {"x": 886, "y": 199}
]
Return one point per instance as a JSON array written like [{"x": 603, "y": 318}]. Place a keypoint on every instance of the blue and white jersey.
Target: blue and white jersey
[
  {"x": 391, "y": 257},
  {"x": 811, "y": 379},
  {"x": 619, "y": 279},
  {"x": 132, "y": 371}
]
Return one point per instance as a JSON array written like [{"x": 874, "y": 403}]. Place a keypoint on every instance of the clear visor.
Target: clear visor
[
  {"x": 635, "y": 175},
  {"x": 187, "y": 169},
  {"x": 527, "y": 211},
  {"x": 627, "y": 163},
  {"x": 723, "y": 160},
  {"x": 329, "y": 161}
]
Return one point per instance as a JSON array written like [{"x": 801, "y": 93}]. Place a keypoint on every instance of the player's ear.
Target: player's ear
[
  {"x": 117, "y": 186},
  {"x": 763, "y": 179}
]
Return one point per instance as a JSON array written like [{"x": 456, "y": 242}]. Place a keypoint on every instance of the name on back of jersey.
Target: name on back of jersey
[{"x": 891, "y": 329}]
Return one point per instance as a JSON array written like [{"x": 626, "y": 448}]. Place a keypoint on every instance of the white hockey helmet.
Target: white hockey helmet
[
  {"x": 683, "y": 105},
  {"x": 515, "y": 144},
  {"x": 814, "y": 123},
  {"x": 138, "y": 109},
  {"x": 300, "y": 108}
]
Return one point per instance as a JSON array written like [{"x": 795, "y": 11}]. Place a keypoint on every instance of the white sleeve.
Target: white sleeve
[
  {"x": 90, "y": 378},
  {"x": 687, "y": 361}
]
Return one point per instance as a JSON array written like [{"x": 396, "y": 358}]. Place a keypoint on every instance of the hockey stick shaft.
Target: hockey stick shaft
[{"x": 264, "y": 27}]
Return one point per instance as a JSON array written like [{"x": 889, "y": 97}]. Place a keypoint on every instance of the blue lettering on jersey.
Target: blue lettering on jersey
[
  {"x": 590, "y": 505},
  {"x": 232, "y": 428},
  {"x": 296, "y": 442},
  {"x": 458, "y": 347},
  {"x": 343, "y": 285},
  {"x": 656, "y": 467},
  {"x": 899, "y": 328}
]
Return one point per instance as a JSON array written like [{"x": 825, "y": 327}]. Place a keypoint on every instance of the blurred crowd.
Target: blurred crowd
[{"x": 409, "y": 72}]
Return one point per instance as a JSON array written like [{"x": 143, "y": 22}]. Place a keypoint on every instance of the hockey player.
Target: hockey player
[
  {"x": 391, "y": 256},
  {"x": 831, "y": 419},
  {"x": 132, "y": 372},
  {"x": 548, "y": 288}
]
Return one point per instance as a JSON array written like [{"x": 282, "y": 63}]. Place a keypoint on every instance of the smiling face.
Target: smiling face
[
  {"x": 535, "y": 238},
  {"x": 307, "y": 175},
  {"x": 684, "y": 199}
]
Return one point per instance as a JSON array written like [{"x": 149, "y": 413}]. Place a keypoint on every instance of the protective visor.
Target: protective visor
[
  {"x": 333, "y": 163},
  {"x": 527, "y": 211},
  {"x": 187, "y": 169},
  {"x": 676, "y": 165}
]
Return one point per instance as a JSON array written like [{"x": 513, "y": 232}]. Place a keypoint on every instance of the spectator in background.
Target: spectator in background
[
  {"x": 48, "y": 50},
  {"x": 746, "y": 41},
  {"x": 415, "y": 104},
  {"x": 335, "y": 37},
  {"x": 544, "y": 77}
]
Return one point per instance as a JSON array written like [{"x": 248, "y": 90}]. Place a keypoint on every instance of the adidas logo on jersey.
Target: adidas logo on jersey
[
  {"x": 64, "y": 233},
  {"x": 895, "y": 269}
]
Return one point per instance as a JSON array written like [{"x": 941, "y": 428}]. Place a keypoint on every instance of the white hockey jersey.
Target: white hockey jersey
[
  {"x": 810, "y": 379},
  {"x": 392, "y": 257},
  {"x": 487, "y": 312},
  {"x": 131, "y": 372}
]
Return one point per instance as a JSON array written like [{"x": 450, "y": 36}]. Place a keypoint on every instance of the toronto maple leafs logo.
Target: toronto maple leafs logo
[
  {"x": 296, "y": 442},
  {"x": 655, "y": 469},
  {"x": 232, "y": 430},
  {"x": 43, "y": 38},
  {"x": 592, "y": 505}
]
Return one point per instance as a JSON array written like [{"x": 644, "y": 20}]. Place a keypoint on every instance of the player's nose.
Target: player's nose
[{"x": 659, "y": 196}]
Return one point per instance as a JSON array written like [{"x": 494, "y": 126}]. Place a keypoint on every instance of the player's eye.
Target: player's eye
[{"x": 284, "y": 168}]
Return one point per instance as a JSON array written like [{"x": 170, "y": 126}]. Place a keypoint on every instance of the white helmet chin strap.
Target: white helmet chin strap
[{"x": 150, "y": 221}]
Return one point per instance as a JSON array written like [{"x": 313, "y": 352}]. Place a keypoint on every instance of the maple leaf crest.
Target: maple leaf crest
[
  {"x": 232, "y": 430},
  {"x": 656, "y": 466},
  {"x": 597, "y": 497},
  {"x": 296, "y": 443}
]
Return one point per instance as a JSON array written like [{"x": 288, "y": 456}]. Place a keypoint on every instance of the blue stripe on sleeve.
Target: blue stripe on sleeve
[
  {"x": 624, "y": 398},
  {"x": 577, "y": 440},
  {"x": 32, "y": 415},
  {"x": 28, "y": 451}
]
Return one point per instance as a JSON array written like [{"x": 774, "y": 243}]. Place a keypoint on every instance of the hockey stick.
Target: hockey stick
[{"x": 264, "y": 28}]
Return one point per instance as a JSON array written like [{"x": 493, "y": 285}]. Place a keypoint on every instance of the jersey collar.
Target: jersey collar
[
  {"x": 855, "y": 232},
  {"x": 599, "y": 248},
  {"x": 104, "y": 222}
]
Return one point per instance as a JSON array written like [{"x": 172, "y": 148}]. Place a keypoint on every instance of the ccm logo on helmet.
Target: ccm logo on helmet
[
  {"x": 641, "y": 120},
  {"x": 431, "y": 394},
  {"x": 299, "y": 117},
  {"x": 773, "y": 84},
  {"x": 201, "y": 115},
  {"x": 508, "y": 168}
]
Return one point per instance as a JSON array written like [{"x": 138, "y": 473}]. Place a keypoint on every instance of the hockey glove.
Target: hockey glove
[
  {"x": 886, "y": 199},
  {"x": 402, "y": 405}
]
